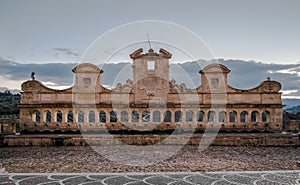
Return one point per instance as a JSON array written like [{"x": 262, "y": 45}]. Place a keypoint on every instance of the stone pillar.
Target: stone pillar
[
  {"x": 63, "y": 116},
  {"x": 75, "y": 116},
  {"x": 183, "y": 116},
  {"x": 129, "y": 116},
  {"x": 205, "y": 116},
  {"x": 42, "y": 115},
  {"x": 258, "y": 118},
  {"x": 247, "y": 116},
  {"x": 86, "y": 115},
  {"x": 140, "y": 115},
  {"x": 237, "y": 118},
  {"x": 96, "y": 116},
  {"x": 53, "y": 116},
  {"x": 172, "y": 116},
  {"x": 195, "y": 118},
  {"x": 14, "y": 128}
]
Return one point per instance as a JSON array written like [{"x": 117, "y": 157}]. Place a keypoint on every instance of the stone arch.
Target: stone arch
[
  {"x": 124, "y": 116},
  {"x": 189, "y": 116},
  {"x": 265, "y": 116},
  {"x": 145, "y": 116},
  {"x": 113, "y": 117},
  {"x": 200, "y": 116},
  {"x": 70, "y": 117},
  {"x": 91, "y": 116},
  {"x": 211, "y": 116},
  {"x": 243, "y": 116},
  {"x": 232, "y": 116},
  {"x": 254, "y": 116},
  {"x": 135, "y": 116},
  {"x": 80, "y": 117},
  {"x": 47, "y": 116},
  {"x": 222, "y": 116},
  {"x": 156, "y": 116},
  {"x": 178, "y": 116},
  {"x": 167, "y": 116},
  {"x": 59, "y": 116},
  {"x": 36, "y": 116},
  {"x": 102, "y": 116}
]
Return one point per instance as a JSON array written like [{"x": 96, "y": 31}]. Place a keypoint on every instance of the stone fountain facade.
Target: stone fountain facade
[{"x": 151, "y": 101}]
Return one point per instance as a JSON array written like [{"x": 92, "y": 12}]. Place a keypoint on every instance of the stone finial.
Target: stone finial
[{"x": 151, "y": 50}]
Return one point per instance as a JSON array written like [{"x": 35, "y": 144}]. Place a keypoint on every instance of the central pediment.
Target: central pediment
[
  {"x": 87, "y": 68},
  {"x": 215, "y": 68}
]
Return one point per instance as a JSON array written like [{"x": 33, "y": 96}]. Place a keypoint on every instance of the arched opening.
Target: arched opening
[
  {"x": 167, "y": 116},
  {"x": 156, "y": 116},
  {"x": 222, "y": 116},
  {"x": 59, "y": 116},
  {"x": 265, "y": 116},
  {"x": 189, "y": 116},
  {"x": 200, "y": 116},
  {"x": 113, "y": 117},
  {"x": 124, "y": 116},
  {"x": 70, "y": 117},
  {"x": 232, "y": 116},
  {"x": 243, "y": 117},
  {"x": 135, "y": 116},
  {"x": 146, "y": 116},
  {"x": 178, "y": 116},
  {"x": 81, "y": 117},
  {"x": 37, "y": 117},
  {"x": 102, "y": 117},
  {"x": 91, "y": 116},
  {"x": 48, "y": 117},
  {"x": 254, "y": 116},
  {"x": 211, "y": 116}
]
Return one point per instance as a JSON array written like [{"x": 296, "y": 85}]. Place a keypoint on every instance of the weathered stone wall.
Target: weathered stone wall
[
  {"x": 151, "y": 91},
  {"x": 8, "y": 126},
  {"x": 142, "y": 126},
  {"x": 255, "y": 140},
  {"x": 293, "y": 126}
]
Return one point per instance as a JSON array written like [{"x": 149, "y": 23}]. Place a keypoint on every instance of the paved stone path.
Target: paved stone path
[{"x": 215, "y": 178}]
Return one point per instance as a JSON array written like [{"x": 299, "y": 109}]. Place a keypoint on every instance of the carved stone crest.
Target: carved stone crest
[{"x": 150, "y": 85}]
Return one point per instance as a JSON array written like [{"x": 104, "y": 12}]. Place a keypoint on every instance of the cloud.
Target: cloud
[
  {"x": 243, "y": 75},
  {"x": 65, "y": 51},
  {"x": 53, "y": 85},
  {"x": 60, "y": 73},
  {"x": 9, "y": 83},
  {"x": 49, "y": 83},
  {"x": 288, "y": 92},
  {"x": 295, "y": 70},
  {"x": 248, "y": 74}
]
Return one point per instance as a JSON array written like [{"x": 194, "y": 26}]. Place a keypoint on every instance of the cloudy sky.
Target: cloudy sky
[
  {"x": 36, "y": 31},
  {"x": 261, "y": 35}
]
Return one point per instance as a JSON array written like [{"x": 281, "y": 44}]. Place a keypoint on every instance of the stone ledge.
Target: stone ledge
[{"x": 263, "y": 140}]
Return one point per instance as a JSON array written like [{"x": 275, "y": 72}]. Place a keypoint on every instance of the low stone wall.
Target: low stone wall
[
  {"x": 293, "y": 126},
  {"x": 8, "y": 125},
  {"x": 149, "y": 126},
  {"x": 220, "y": 140}
]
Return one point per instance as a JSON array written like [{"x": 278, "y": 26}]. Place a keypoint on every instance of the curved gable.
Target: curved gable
[
  {"x": 215, "y": 68},
  {"x": 87, "y": 68}
]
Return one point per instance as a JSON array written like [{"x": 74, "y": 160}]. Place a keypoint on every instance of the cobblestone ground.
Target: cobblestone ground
[
  {"x": 84, "y": 159},
  {"x": 83, "y": 165},
  {"x": 241, "y": 178}
]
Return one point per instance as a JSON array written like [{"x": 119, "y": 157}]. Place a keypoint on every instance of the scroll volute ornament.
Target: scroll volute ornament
[
  {"x": 31, "y": 85},
  {"x": 271, "y": 86}
]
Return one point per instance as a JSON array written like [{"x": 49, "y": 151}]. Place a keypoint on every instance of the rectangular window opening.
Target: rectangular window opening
[
  {"x": 215, "y": 82},
  {"x": 151, "y": 65}
]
